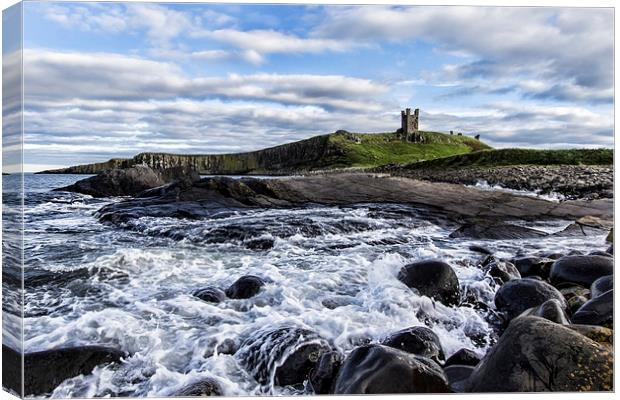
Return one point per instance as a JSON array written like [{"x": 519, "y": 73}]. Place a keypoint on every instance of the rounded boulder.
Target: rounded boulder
[
  {"x": 210, "y": 294},
  {"x": 245, "y": 287},
  {"x": 281, "y": 355},
  {"x": 597, "y": 311},
  {"x": 518, "y": 295},
  {"x": 583, "y": 270},
  {"x": 377, "y": 369},
  {"x": 418, "y": 340},
  {"x": 537, "y": 355},
  {"x": 602, "y": 285},
  {"x": 432, "y": 278}
]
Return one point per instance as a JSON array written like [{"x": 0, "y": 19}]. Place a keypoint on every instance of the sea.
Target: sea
[{"x": 331, "y": 270}]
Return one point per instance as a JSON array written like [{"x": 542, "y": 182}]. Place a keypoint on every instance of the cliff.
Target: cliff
[{"x": 337, "y": 150}]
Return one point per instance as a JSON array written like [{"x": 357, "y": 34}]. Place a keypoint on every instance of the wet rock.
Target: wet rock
[
  {"x": 610, "y": 250},
  {"x": 463, "y": 357},
  {"x": 597, "y": 311},
  {"x": 334, "y": 302},
  {"x": 324, "y": 373},
  {"x": 215, "y": 195},
  {"x": 518, "y": 295},
  {"x": 130, "y": 181},
  {"x": 418, "y": 340},
  {"x": 45, "y": 370},
  {"x": 376, "y": 369},
  {"x": 536, "y": 355},
  {"x": 575, "y": 303},
  {"x": 575, "y": 296},
  {"x": 282, "y": 355},
  {"x": 210, "y": 294},
  {"x": 496, "y": 230},
  {"x": 553, "y": 256},
  {"x": 245, "y": 287},
  {"x": 457, "y": 376},
  {"x": 530, "y": 266},
  {"x": 202, "y": 388},
  {"x": 588, "y": 226},
  {"x": 602, "y": 285},
  {"x": 260, "y": 243},
  {"x": 550, "y": 310},
  {"x": 228, "y": 346},
  {"x": 432, "y": 278},
  {"x": 503, "y": 271},
  {"x": 600, "y": 253},
  {"x": 580, "y": 269},
  {"x": 480, "y": 249}
]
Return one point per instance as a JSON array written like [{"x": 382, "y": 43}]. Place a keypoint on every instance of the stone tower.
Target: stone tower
[{"x": 409, "y": 125}]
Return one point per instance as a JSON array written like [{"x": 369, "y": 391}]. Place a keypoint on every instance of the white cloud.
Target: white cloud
[
  {"x": 270, "y": 41},
  {"x": 558, "y": 45},
  {"x": 114, "y": 76},
  {"x": 162, "y": 25}
]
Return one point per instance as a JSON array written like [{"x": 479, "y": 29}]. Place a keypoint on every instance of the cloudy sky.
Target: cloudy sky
[{"x": 114, "y": 79}]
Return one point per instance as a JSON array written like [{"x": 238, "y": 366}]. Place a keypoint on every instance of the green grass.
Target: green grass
[
  {"x": 370, "y": 150},
  {"x": 506, "y": 157}
]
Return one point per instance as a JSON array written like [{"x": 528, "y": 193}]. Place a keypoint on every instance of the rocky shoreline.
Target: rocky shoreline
[
  {"x": 552, "y": 313},
  {"x": 572, "y": 181}
]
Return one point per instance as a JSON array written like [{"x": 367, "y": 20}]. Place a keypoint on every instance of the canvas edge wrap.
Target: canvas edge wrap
[{"x": 13, "y": 200}]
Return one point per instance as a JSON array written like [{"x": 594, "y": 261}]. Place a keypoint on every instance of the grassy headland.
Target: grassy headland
[
  {"x": 509, "y": 157},
  {"x": 337, "y": 150}
]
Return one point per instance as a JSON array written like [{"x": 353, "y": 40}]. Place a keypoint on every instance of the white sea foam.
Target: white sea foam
[{"x": 484, "y": 185}]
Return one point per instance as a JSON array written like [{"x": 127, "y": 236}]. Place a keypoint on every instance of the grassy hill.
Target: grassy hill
[
  {"x": 506, "y": 157},
  {"x": 337, "y": 150},
  {"x": 368, "y": 150}
]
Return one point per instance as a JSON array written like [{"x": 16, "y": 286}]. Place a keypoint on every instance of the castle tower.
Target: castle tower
[{"x": 409, "y": 124}]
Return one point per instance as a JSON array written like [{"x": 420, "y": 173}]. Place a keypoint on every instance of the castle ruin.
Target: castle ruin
[{"x": 409, "y": 125}]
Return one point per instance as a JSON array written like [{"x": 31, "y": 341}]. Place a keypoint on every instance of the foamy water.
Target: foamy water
[
  {"x": 555, "y": 197},
  {"x": 131, "y": 288}
]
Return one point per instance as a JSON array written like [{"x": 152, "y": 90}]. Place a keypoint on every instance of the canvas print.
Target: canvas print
[{"x": 269, "y": 199}]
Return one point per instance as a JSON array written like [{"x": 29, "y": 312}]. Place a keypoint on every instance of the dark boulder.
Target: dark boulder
[
  {"x": 418, "y": 340},
  {"x": 550, "y": 310},
  {"x": 463, "y": 357},
  {"x": 518, "y": 295},
  {"x": 495, "y": 230},
  {"x": 282, "y": 355},
  {"x": 503, "y": 271},
  {"x": 597, "y": 311},
  {"x": 432, "y": 278},
  {"x": 457, "y": 376},
  {"x": 530, "y": 266},
  {"x": 245, "y": 287},
  {"x": 581, "y": 269},
  {"x": 202, "y": 388},
  {"x": 600, "y": 253},
  {"x": 183, "y": 176},
  {"x": 602, "y": 285},
  {"x": 129, "y": 181},
  {"x": 537, "y": 355},
  {"x": 376, "y": 369},
  {"x": 210, "y": 294},
  {"x": 324, "y": 373},
  {"x": 45, "y": 370},
  {"x": 480, "y": 249}
]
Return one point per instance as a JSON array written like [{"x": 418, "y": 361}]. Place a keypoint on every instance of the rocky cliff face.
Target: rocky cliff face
[{"x": 310, "y": 153}]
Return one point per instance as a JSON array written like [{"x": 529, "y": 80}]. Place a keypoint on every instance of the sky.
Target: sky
[{"x": 104, "y": 80}]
